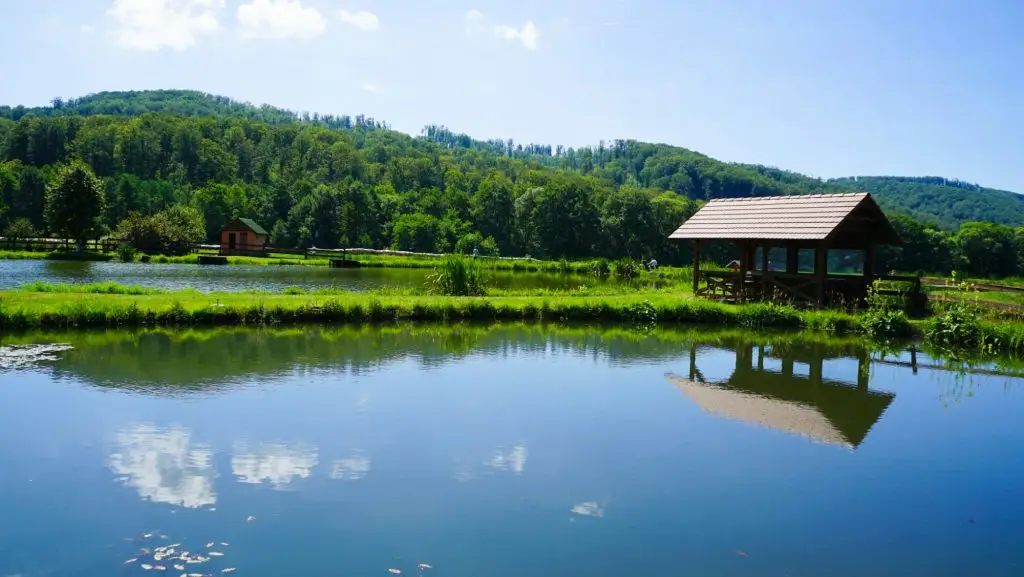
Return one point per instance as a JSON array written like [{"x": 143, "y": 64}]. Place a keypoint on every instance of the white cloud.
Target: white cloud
[
  {"x": 164, "y": 466},
  {"x": 361, "y": 19},
  {"x": 611, "y": 24},
  {"x": 274, "y": 464},
  {"x": 277, "y": 19},
  {"x": 87, "y": 28},
  {"x": 150, "y": 25},
  {"x": 369, "y": 88},
  {"x": 528, "y": 34},
  {"x": 351, "y": 469},
  {"x": 474, "y": 23}
]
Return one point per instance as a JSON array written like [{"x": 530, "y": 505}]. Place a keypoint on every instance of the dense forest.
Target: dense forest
[
  {"x": 944, "y": 202},
  {"x": 189, "y": 162}
]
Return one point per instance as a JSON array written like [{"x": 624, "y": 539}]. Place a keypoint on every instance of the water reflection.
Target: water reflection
[
  {"x": 351, "y": 468},
  {"x": 164, "y": 465},
  {"x": 588, "y": 509},
  {"x": 513, "y": 460},
  {"x": 275, "y": 464},
  {"x": 831, "y": 409}
]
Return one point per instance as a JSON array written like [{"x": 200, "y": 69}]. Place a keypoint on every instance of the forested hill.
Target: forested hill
[
  {"x": 336, "y": 180},
  {"x": 944, "y": 202},
  {"x": 177, "y": 102}
]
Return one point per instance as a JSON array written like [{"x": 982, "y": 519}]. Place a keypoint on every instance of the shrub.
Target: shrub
[
  {"x": 626, "y": 268},
  {"x": 126, "y": 252},
  {"x": 886, "y": 323},
  {"x": 19, "y": 228},
  {"x": 457, "y": 276},
  {"x": 600, "y": 268},
  {"x": 884, "y": 319},
  {"x": 957, "y": 326}
]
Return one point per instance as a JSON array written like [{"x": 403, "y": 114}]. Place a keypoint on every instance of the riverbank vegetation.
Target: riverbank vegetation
[{"x": 110, "y": 305}]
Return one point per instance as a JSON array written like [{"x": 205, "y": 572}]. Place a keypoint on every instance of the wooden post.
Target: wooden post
[
  {"x": 765, "y": 249},
  {"x": 696, "y": 265},
  {"x": 869, "y": 267},
  {"x": 821, "y": 271},
  {"x": 693, "y": 361},
  {"x": 744, "y": 267}
]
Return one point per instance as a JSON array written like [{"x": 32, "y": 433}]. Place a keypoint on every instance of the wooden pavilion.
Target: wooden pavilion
[{"x": 784, "y": 244}]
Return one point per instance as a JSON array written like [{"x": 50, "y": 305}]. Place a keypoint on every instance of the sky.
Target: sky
[{"x": 827, "y": 88}]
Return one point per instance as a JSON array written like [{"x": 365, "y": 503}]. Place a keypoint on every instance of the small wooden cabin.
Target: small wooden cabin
[
  {"x": 243, "y": 237},
  {"x": 784, "y": 244}
]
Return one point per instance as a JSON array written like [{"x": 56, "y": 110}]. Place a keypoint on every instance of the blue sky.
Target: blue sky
[{"x": 825, "y": 87}]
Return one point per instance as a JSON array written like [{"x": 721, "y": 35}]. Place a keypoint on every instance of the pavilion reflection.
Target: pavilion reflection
[{"x": 765, "y": 389}]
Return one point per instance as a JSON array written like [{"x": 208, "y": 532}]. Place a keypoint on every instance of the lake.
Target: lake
[
  {"x": 15, "y": 273},
  {"x": 503, "y": 450}
]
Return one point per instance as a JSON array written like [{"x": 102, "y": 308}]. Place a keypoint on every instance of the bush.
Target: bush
[
  {"x": 457, "y": 276},
  {"x": 20, "y": 228},
  {"x": 886, "y": 323},
  {"x": 126, "y": 252},
  {"x": 884, "y": 318},
  {"x": 600, "y": 268},
  {"x": 171, "y": 231},
  {"x": 958, "y": 326},
  {"x": 626, "y": 268}
]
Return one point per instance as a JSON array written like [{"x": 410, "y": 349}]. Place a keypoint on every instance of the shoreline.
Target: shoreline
[
  {"x": 21, "y": 309},
  {"x": 584, "y": 267}
]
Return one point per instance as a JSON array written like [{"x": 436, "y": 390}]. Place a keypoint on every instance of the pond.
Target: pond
[
  {"x": 15, "y": 273},
  {"x": 503, "y": 450}
]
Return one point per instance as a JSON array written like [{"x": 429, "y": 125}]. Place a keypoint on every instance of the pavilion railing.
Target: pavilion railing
[{"x": 839, "y": 290}]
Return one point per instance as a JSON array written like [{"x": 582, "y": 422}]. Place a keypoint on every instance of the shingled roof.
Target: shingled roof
[
  {"x": 797, "y": 217},
  {"x": 245, "y": 223}
]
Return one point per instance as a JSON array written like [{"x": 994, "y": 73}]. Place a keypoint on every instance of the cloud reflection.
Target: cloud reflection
[
  {"x": 351, "y": 469},
  {"x": 589, "y": 509},
  {"x": 276, "y": 464},
  {"x": 164, "y": 466},
  {"x": 514, "y": 460}
]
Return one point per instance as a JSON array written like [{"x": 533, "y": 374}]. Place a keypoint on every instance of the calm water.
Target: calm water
[
  {"x": 14, "y": 273},
  {"x": 504, "y": 451}
]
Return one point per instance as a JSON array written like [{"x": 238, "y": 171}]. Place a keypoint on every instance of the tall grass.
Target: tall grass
[
  {"x": 110, "y": 288},
  {"x": 457, "y": 275}
]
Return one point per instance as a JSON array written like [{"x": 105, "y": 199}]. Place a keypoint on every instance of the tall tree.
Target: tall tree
[{"x": 75, "y": 202}]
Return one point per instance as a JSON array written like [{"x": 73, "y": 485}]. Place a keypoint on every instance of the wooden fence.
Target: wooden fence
[{"x": 57, "y": 245}]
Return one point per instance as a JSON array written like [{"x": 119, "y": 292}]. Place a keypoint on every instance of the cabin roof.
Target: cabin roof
[
  {"x": 809, "y": 217},
  {"x": 244, "y": 223}
]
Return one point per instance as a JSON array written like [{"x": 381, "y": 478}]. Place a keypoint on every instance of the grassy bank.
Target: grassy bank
[
  {"x": 62, "y": 306},
  {"x": 33, "y": 309}
]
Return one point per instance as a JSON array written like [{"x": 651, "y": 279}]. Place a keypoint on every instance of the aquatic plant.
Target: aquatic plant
[
  {"x": 457, "y": 275},
  {"x": 884, "y": 318}
]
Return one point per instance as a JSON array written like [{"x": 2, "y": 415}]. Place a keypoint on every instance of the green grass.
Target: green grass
[
  {"x": 33, "y": 309},
  {"x": 43, "y": 306},
  {"x": 55, "y": 255}
]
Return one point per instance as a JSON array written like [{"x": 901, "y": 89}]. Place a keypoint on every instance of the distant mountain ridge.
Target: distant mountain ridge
[{"x": 944, "y": 202}]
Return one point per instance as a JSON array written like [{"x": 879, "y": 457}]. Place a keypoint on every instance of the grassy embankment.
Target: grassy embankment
[
  {"x": 108, "y": 304},
  {"x": 42, "y": 306}
]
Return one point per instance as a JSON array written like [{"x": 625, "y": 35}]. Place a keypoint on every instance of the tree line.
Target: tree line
[
  {"x": 313, "y": 185},
  {"x": 177, "y": 166}
]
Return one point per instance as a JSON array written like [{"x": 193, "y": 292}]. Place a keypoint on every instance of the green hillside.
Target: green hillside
[
  {"x": 333, "y": 181},
  {"x": 945, "y": 202}
]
